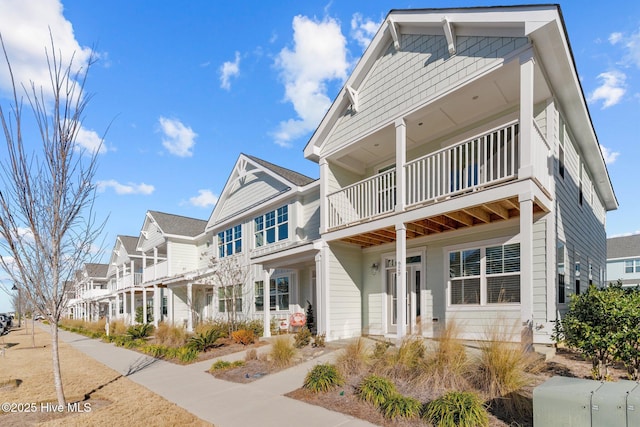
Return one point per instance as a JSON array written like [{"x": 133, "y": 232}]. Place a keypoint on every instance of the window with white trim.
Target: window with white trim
[
  {"x": 485, "y": 275},
  {"x": 279, "y": 293},
  {"x": 272, "y": 227},
  {"x": 561, "y": 261},
  {"x": 230, "y": 241},
  {"x": 227, "y": 296},
  {"x": 632, "y": 266}
]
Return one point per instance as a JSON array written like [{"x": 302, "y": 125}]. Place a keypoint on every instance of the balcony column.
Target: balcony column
[
  {"x": 155, "y": 263},
  {"x": 133, "y": 307},
  {"x": 324, "y": 203},
  {"x": 144, "y": 305},
  {"x": 526, "y": 267},
  {"x": 401, "y": 280},
  {"x": 157, "y": 303},
  {"x": 527, "y": 156},
  {"x": 401, "y": 159},
  {"x": 266, "y": 302},
  {"x": 322, "y": 289},
  {"x": 190, "y": 307},
  {"x": 170, "y": 305},
  {"x": 117, "y": 311}
]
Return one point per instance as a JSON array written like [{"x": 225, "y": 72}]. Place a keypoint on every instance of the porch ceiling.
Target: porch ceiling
[{"x": 485, "y": 213}]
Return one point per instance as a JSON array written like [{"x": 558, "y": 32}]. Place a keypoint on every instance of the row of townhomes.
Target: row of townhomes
[{"x": 460, "y": 178}]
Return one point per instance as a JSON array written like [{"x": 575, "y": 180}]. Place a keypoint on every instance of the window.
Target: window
[
  {"x": 165, "y": 310},
  {"x": 259, "y": 295},
  {"x": 279, "y": 293},
  {"x": 272, "y": 227},
  {"x": 227, "y": 297},
  {"x": 493, "y": 271},
  {"x": 230, "y": 241},
  {"x": 121, "y": 307},
  {"x": 632, "y": 266},
  {"x": 561, "y": 262}
]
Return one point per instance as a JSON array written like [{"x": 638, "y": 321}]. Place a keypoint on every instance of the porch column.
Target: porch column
[
  {"x": 117, "y": 311},
  {"x": 324, "y": 185},
  {"x": 322, "y": 289},
  {"x": 155, "y": 262},
  {"x": 266, "y": 302},
  {"x": 190, "y": 306},
  {"x": 157, "y": 303},
  {"x": 401, "y": 280},
  {"x": 401, "y": 159},
  {"x": 526, "y": 266},
  {"x": 526, "y": 115},
  {"x": 170, "y": 305},
  {"x": 133, "y": 306},
  {"x": 144, "y": 305}
]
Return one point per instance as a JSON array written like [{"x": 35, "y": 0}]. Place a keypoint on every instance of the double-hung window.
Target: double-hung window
[
  {"x": 632, "y": 266},
  {"x": 278, "y": 294},
  {"x": 230, "y": 299},
  {"x": 272, "y": 227},
  {"x": 485, "y": 275},
  {"x": 230, "y": 241}
]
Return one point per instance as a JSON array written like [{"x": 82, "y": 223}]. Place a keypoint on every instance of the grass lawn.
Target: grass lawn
[{"x": 26, "y": 377}]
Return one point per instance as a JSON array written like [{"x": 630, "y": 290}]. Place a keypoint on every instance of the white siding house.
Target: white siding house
[
  {"x": 623, "y": 260},
  {"x": 460, "y": 178}
]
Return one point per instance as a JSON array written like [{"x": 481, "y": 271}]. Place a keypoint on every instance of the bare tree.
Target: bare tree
[
  {"x": 229, "y": 280},
  {"x": 47, "y": 222}
]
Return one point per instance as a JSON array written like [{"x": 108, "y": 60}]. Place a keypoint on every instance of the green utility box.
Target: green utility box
[
  {"x": 563, "y": 402},
  {"x": 609, "y": 404},
  {"x": 575, "y": 402}
]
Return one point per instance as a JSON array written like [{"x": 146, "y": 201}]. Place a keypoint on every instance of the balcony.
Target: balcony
[
  {"x": 129, "y": 280},
  {"x": 155, "y": 271},
  {"x": 94, "y": 293},
  {"x": 469, "y": 166}
]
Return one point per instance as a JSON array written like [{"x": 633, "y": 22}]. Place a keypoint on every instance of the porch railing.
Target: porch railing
[
  {"x": 155, "y": 271},
  {"x": 129, "y": 280},
  {"x": 479, "y": 162}
]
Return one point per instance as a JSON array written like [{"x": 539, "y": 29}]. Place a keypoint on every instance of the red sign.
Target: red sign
[{"x": 298, "y": 319}]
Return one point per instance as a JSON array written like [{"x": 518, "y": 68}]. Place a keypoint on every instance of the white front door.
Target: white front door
[{"x": 412, "y": 297}]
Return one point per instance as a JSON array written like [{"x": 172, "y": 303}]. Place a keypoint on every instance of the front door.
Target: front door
[{"x": 412, "y": 297}]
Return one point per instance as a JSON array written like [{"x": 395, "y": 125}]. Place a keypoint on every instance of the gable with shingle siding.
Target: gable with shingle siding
[{"x": 422, "y": 67}]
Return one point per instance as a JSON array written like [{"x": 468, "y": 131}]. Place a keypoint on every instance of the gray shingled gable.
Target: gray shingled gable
[
  {"x": 96, "y": 270},
  {"x": 179, "y": 225},
  {"x": 291, "y": 176},
  {"x": 129, "y": 243},
  {"x": 623, "y": 247}
]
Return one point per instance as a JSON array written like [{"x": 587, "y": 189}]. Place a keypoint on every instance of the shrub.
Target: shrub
[
  {"x": 222, "y": 365},
  {"x": 376, "y": 390},
  {"x": 457, "y": 409},
  {"x": 252, "y": 354},
  {"x": 405, "y": 362},
  {"x": 170, "y": 335},
  {"x": 122, "y": 340},
  {"x": 117, "y": 327},
  {"x": 155, "y": 350},
  {"x": 380, "y": 349},
  {"x": 318, "y": 340},
  {"x": 204, "y": 341},
  {"x": 354, "y": 359},
  {"x": 186, "y": 354},
  {"x": 282, "y": 352},
  {"x": 322, "y": 378},
  {"x": 243, "y": 336},
  {"x": 255, "y": 326},
  {"x": 139, "y": 315},
  {"x": 398, "y": 406},
  {"x": 447, "y": 366},
  {"x": 302, "y": 337},
  {"x": 140, "y": 331}
]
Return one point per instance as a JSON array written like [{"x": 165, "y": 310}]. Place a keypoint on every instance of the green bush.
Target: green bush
[
  {"x": 221, "y": 365},
  {"x": 302, "y": 338},
  {"x": 140, "y": 331},
  {"x": 255, "y": 326},
  {"x": 398, "y": 406},
  {"x": 376, "y": 390},
  {"x": 322, "y": 378},
  {"x": 155, "y": 350},
  {"x": 139, "y": 315},
  {"x": 204, "y": 341},
  {"x": 186, "y": 354},
  {"x": 457, "y": 409}
]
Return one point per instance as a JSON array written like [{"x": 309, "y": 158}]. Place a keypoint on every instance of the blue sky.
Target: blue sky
[{"x": 184, "y": 87}]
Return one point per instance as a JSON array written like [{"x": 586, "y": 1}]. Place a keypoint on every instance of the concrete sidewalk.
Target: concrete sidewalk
[{"x": 222, "y": 403}]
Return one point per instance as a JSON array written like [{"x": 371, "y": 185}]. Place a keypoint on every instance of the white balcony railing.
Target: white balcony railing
[
  {"x": 94, "y": 293},
  {"x": 479, "y": 162},
  {"x": 129, "y": 280},
  {"x": 155, "y": 271}
]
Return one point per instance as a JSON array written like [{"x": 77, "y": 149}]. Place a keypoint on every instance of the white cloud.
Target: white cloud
[
  {"x": 614, "y": 38},
  {"x": 363, "y": 30},
  {"x": 318, "y": 56},
  {"x": 178, "y": 138},
  {"x": 129, "y": 188},
  {"x": 611, "y": 90},
  {"x": 204, "y": 199},
  {"x": 90, "y": 141},
  {"x": 228, "y": 70},
  {"x": 25, "y": 28},
  {"x": 608, "y": 155}
]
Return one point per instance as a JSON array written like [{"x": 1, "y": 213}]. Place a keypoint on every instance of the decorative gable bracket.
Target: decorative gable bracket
[
  {"x": 394, "y": 33},
  {"x": 450, "y": 35},
  {"x": 353, "y": 97}
]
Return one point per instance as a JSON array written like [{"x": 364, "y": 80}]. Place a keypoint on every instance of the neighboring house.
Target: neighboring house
[
  {"x": 267, "y": 221},
  {"x": 125, "y": 278},
  {"x": 460, "y": 179},
  {"x": 174, "y": 251},
  {"x": 90, "y": 302},
  {"x": 623, "y": 260}
]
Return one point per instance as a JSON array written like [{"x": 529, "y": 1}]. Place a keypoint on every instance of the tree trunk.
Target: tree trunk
[{"x": 57, "y": 377}]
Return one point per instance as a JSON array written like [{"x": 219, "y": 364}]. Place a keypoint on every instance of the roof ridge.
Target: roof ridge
[{"x": 283, "y": 171}]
